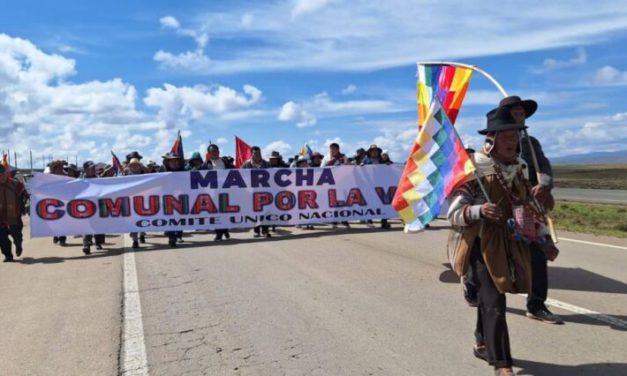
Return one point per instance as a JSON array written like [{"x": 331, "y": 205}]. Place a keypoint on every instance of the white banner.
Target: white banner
[{"x": 212, "y": 199}]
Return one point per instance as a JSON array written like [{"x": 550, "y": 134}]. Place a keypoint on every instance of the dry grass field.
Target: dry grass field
[{"x": 603, "y": 176}]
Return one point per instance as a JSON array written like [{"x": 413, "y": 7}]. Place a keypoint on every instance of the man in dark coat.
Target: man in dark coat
[{"x": 215, "y": 162}]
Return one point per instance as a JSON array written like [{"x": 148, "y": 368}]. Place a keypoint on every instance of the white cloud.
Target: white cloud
[
  {"x": 350, "y": 89},
  {"x": 363, "y": 35},
  {"x": 581, "y": 58},
  {"x": 302, "y": 7},
  {"x": 609, "y": 75},
  {"x": 247, "y": 20},
  {"x": 190, "y": 61},
  {"x": 179, "y": 105},
  {"x": 293, "y": 112},
  {"x": 169, "y": 22},
  {"x": 281, "y": 146},
  {"x": 222, "y": 141}
]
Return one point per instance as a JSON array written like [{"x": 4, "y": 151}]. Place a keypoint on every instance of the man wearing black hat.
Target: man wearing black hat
[
  {"x": 542, "y": 182},
  {"x": 256, "y": 161},
  {"x": 276, "y": 160},
  {"x": 89, "y": 172},
  {"x": 133, "y": 154},
  {"x": 173, "y": 162},
  {"x": 481, "y": 239}
]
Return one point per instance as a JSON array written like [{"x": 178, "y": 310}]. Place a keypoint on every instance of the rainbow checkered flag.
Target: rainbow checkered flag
[
  {"x": 305, "y": 151},
  {"x": 448, "y": 83},
  {"x": 436, "y": 165}
]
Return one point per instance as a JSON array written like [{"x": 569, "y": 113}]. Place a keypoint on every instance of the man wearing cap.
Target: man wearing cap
[
  {"x": 173, "y": 162},
  {"x": 195, "y": 163},
  {"x": 12, "y": 196},
  {"x": 56, "y": 167},
  {"x": 542, "y": 182},
  {"x": 256, "y": 161},
  {"x": 89, "y": 172},
  {"x": 215, "y": 162},
  {"x": 482, "y": 239}
]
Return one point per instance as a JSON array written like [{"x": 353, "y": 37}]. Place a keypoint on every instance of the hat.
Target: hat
[
  {"x": 275, "y": 155},
  {"x": 529, "y": 105},
  {"x": 360, "y": 150},
  {"x": 133, "y": 161},
  {"x": 170, "y": 155},
  {"x": 500, "y": 120},
  {"x": 316, "y": 155},
  {"x": 88, "y": 164},
  {"x": 133, "y": 154},
  {"x": 375, "y": 147},
  {"x": 195, "y": 155},
  {"x": 212, "y": 146}
]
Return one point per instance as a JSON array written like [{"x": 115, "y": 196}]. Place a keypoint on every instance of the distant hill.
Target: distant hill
[{"x": 602, "y": 157}]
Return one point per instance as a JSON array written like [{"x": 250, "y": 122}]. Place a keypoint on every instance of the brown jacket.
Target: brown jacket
[
  {"x": 10, "y": 208},
  {"x": 507, "y": 259}
]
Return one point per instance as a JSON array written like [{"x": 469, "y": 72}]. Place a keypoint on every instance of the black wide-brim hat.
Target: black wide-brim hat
[
  {"x": 499, "y": 120},
  {"x": 529, "y": 105},
  {"x": 133, "y": 154}
]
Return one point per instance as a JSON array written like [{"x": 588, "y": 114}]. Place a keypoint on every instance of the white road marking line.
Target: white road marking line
[
  {"x": 134, "y": 362},
  {"x": 592, "y": 243},
  {"x": 584, "y": 311}
]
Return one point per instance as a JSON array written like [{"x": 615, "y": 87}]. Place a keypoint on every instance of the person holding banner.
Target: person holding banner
[
  {"x": 89, "y": 172},
  {"x": 336, "y": 158},
  {"x": 135, "y": 168},
  {"x": 374, "y": 157},
  {"x": 173, "y": 162},
  {"x": 486, "y": 217},
  {"x": 257, "y": 162},
  {"x": 56, "y": 168},
  {"x": 215, "y": 162}
]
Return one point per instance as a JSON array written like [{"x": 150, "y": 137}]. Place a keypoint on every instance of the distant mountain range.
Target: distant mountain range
[{"x": 602, "y": 157}]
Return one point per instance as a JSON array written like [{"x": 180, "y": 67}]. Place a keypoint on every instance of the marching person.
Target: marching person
[
  {"x": 11, "y": 209},
  {"x": 195, "y": 162},
  {"x": 135, "y": 167},
  {"x": 276, "y": 160},
  {"x": 374, "y": 157},
  {"x": 173, "y": 162},
  {"x": 89, "y": 172},
  {"x": 336, "y": 158},
  {"x": 215, "y": 162},
  {"x": 56, "y": 167},
  {"x": 520, "y": 111},
  {"x": 483, "y": 240},
  {"x": 316, "y": 159},
  {"x": 256, "y": 161},
  {"x": 359, "y": 157}
]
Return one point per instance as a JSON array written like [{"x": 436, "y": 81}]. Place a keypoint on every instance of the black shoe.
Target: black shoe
[
  {"x": 62, "y": 242},
  {"x": 172, "y": 242},
  {"x": 227, "y": 235},
  {"x": 347, "y": 225},
  {"x": 18, "y": 250},
  {"x": 257, "y": 235},
  {"x": 99, "y": 246},
  {"x": 135, "y": 244},
  {"x": 273, "y": 228},
  {"x": 545, "y": 315},
  {"x": 217, "y": 238},
  {"x": 268, "y": 235},
  {"x": 55, "y": 240},
  {"x": 142, "y": 239},
  {"x": 86, "y": 250},
  {"x": 480, "y": 352},
  {"x": 8, "y": 259}
]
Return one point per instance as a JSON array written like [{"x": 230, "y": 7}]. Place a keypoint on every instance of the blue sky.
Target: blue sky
[{"x": 84, "y": 77}]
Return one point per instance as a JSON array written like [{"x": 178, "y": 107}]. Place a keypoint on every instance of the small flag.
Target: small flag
[
  {"x": 305, "y": 151},
  {"x": 117, "y": 166},
  {"x": 438, "y": 163},
  {"x": 243, "y": 152},
  {"x": 447, "y": 83},
  {"x": 5, "y": 164},
  {"x": 177, "y": 148}
]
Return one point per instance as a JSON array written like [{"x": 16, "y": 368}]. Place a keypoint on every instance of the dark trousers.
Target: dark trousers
[
  {"x": 264, "y": 229},
  {"x": 90, "y": 239},
  {"x": 539, "y": 279},
  {"x": 222, "y": 232},
  {"x": 5, "y": 243},
  {"x": 173, "y": 235},
  {"x": 16, "y": 233},
  {"x": 491, "y": 327}
]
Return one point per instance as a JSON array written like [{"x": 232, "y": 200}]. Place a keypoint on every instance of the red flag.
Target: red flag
[
  {"x": 117, "y": 166},
  {"x": 177, "y": 148},
  {"x": 242, "y": 152}
]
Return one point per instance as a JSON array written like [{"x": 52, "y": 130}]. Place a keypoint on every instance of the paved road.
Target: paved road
[
  {"x": 324, "y": 302},
  {"x": 606, "y": 196}
]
